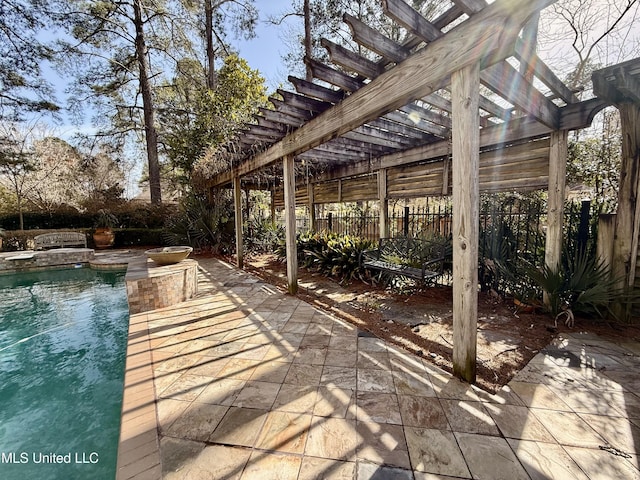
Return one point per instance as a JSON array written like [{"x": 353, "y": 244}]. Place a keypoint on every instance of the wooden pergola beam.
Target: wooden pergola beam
[
  {"x": 502, "y": 78},
  {"x": 414, "y": 78},
  {"x": 317, "y": 91},
  {"x": 506, "y": 81},
  {"x": 378, "y": 43},
  {"x": 572, "y": 117}
]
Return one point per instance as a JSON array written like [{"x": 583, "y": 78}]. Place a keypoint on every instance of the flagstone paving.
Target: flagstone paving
[{"x": 244, "y": 382}]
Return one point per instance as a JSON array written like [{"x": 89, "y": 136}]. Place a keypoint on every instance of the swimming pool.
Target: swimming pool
[{"x": 63, "y": 339}]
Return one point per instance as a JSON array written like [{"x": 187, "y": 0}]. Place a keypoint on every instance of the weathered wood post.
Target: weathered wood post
[
  {"x": 465, "y": 85},
  {"x": 384, "y": 204},
  {"x": 237, "y": 208},
  {"x": 312, "y": 208},
  {"x": 273, "y": 207},
  {"x": 290, "y": 223},
  {"x": 616, "y": 85},
  {"x": 555, "y": 203},
  {"x": 606, "y": 232}
]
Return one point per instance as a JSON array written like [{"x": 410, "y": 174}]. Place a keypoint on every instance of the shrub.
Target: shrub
[
  {"x": 262, "y": 236},
  {"x": 203, "y": 223},
  {"x": 331, "y": 254},
  {"x": 580, "y": 284},
  {"x": 138, "y": 237}
]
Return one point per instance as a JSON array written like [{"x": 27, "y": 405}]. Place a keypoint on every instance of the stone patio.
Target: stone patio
[{"x": 244, "y": 382}]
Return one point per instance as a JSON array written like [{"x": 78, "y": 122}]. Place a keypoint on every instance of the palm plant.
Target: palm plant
[
  {"x": 581, "y": 283},
  {"x": 202, "y": 223}
]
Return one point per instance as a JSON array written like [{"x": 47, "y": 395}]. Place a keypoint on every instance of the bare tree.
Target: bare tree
[
  {"x": 20, "y": 170},
  {"x": 598, "y": 32}
]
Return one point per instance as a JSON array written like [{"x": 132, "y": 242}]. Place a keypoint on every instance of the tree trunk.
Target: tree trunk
[
  {"x": 151, "y": 135},
  {"x": 20, "y": 214},
  {"x": 307, "y": 37},
  {"x": 211, "y": 54}
]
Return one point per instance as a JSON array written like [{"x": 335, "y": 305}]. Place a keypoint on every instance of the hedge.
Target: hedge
[
  {"x": 139, "y": 216},
  {"x": 125, "y": 237}
]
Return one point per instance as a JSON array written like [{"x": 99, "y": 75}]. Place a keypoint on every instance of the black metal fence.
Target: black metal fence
[{"x": 519, "y": 225}]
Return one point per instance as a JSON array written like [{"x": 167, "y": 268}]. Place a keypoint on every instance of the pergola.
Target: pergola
[{"x": 462, "y": 105}]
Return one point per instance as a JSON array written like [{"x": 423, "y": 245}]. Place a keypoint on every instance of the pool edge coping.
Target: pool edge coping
[{"x": 139, "y": 444}]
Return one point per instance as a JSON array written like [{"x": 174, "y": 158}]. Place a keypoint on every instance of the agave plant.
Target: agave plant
[{"x": 331, "y": 254}]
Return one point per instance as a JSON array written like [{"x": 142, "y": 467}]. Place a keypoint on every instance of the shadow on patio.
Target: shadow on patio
[{"x": 250, "y": 383}]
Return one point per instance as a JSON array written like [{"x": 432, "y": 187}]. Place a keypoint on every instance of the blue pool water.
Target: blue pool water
[{"x": 62, "y": 349}]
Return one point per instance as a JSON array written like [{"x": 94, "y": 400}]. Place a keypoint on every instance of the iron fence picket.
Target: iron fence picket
[{"x": 524, "y": 223}]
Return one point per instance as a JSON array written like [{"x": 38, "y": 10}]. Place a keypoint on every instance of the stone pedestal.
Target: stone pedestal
[{"x": 150, "y": 286}]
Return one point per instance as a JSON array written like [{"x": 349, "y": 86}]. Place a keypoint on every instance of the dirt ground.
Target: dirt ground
[{"x": 420, "y": 320}]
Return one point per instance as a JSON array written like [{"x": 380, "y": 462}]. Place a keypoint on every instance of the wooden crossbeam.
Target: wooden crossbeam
[
  {"x": 283, "y": 107},
  {"x": 414, "y": 78},
  {"x": 573, "y": 116},
  {"x": 351, "y": 60},
  {"x": 310, "y": 89},
  {"x": 506, "y": 81},
  {"x": 281, "y": 117},
  {"x": 618, "y": 83},
  {"x": 370, "y": 38},
  {"x": 502, "y": 78},
  {"x": 334, "y": 77}
]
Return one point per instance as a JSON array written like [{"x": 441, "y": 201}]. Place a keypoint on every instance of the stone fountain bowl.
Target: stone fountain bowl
[{"x": 168, "y": 255}]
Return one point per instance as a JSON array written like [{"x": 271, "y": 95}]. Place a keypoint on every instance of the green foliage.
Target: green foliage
[
  {"x": 414, "y": 253},
  {"x": 13, "y": 241},
  {"x": 580, "y": 284},
  {"x": 497, "y": 245},
  {"x": 105, "y": 219},
  {"x": 263, "y": 236},
  {"x": 195, "y": 118},
  {"x": 331, "y": 254},
  {"x": 134, "y": 215},
  {"x": 203, "y": 223},
  {"x": 124, "y": 237},
  {"x": 22, "y": 53},
  {"x": 129, "y": 215},
  {"x": 510, "y": 236},
  {"x": 594, "y": 162},
  {"x": 138, "y": 237}
]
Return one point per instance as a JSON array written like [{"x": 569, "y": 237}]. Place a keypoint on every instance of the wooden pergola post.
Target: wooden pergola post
[
  {"x": 384, "y": 203},
  {"x": 237, "y": 204},
  {"x": 465, "y": 85},
  {"x": 312, "y": 208},
  {"x": 290, "y": 223},
  {"x": 273, "y": 207},
  {"x": 555, "y": 204},
  {"x": 627, "y": 226},
  {"x": 619, "y": 85}
]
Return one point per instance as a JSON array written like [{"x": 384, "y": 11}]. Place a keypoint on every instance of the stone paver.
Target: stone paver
[{"x": 244, "y": 382}]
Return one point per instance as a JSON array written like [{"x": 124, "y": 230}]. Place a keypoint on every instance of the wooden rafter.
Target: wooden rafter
[{"x": 470, "y": 42}]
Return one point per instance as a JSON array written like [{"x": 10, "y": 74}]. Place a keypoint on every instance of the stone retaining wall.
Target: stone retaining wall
[{"x": 31, "y": 260}]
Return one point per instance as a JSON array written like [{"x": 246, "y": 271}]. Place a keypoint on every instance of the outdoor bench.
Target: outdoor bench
[
  {"x": 418, "y": 259},
  {"x": 60, "y": 240}
]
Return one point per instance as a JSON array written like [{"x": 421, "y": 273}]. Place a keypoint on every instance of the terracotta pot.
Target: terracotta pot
[{"x": 103, "y": 237}]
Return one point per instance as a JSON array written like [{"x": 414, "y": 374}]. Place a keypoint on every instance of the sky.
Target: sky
[{"x": 265, "y": 51}]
